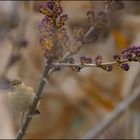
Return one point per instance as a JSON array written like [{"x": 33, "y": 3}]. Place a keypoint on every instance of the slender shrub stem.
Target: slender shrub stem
[{"x": 28, "y": 117}]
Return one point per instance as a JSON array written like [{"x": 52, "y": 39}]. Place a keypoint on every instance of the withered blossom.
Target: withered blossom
[
  {"x": 111, "y": 5},
  {"x": 91, "y": 17},
  {"x": 52, "y": 29},
  {"x": 78, "y": 33},
  {"x": 125, "y": 66}
]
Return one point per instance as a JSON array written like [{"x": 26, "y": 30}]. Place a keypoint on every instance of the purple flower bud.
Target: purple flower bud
[
  {"x": 109, "y": 68},
  {"x": 98, "y": 60},
  {"x": 106, "y": 67},
  {"x": 62, "y": 20},
  {"x": 44, "y": 10},
  {"x": 70, "y": 60},
  {"x": 129, "y": 57},
  {"x": 91, "y": 17},
  {"x": 138, "y": 53},
  {"x": 89, "y": 60},
  {"x": 131, "y": 53},
  {"x": 50, "y": 4},
  {"x": 83, "y": 59},
  {"x": 117, "y": 57},
  {"x": 125, "y": 67},
  {"x": 99, "y": 57},
  {"x": 57, "y": 10},
  {"x": 64, "y": 17},
  {"x": 51, "y": 28}
]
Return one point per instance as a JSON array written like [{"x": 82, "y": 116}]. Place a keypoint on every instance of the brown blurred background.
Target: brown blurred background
[{"x": 73, "y": 103}]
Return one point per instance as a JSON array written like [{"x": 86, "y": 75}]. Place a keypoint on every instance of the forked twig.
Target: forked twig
[{"x": 47, "y": 72}]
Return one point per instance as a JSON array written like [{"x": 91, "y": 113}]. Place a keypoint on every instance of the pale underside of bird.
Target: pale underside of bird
[{"x": 21, "y": 97}]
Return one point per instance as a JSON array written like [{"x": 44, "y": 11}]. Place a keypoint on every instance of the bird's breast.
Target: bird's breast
[{"x": 21, "y": 100}]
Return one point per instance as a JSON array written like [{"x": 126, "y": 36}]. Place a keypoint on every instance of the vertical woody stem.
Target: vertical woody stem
[{"x": 28, "y": 118}]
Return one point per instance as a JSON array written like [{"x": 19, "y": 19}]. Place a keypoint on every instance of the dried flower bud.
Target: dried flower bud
[
  {"x": 83, "y": 59},
  {"x": 57, "y": 10},
  {"x": 44, "y": 10},
  {"x": 138, "y": 53},
  {"x": 78, "y": 33},
  {"x": 52, "y": 29},
  {"x": 62, "y": 34},
  {"x": 111, "y": 5},
  {"x": 98, "y": 60},
  {"x": 62, "y": 20},
  {"x": 70, "y": 60},
  {"x": 125, "y": 66},
  {"x": 107, "y": 67},
  {"x": 131, "y": 54},
  {"x": 76, "y": 68},
  {"x": 50, "y": 4},
  {"x": 88, "y": 60},
  {"x": 91, "y": 17},
  {"x": 117, "y": 58},
  {"x": 101, "y": 19},
  {"x": 129, "y": 57},
  {"x": 47, "y": 27},
  {"x": 46, "y": 43}
]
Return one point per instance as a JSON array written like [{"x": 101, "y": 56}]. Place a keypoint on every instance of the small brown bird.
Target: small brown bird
[{"x": 21, "y": 96}]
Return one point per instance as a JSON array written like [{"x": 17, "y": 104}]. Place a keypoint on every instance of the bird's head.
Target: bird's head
[{"x": 16, "y": 83}]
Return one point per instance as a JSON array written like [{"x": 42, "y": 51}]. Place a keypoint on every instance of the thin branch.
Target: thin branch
[
  {"x": 28, "y": 118},
  {"x": 89, "y": 31},
  {"x": 95, "y": 132},
  {"x": 83, "y": 65}
]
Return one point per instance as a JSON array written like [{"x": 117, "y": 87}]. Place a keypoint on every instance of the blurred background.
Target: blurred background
[{"x": 73, "y": 103}]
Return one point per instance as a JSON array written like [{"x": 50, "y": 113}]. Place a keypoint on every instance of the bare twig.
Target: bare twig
[
  {"x": 94, "y": 132},
  {"x": 83, "y": 65},
  {"x": 89, "y": 31}
]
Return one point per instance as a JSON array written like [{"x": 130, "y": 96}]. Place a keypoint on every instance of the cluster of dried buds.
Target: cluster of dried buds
[
  {"x": 122, "y": 60},
  {"x": 128, "y": 55},
  {"x": 98, "y": 21},
  {"x": 86, "y": 61},
  {"x": 97, "y": 61},
  {"x": 52, "y": 29},
  {"x": 111, "y": 5},
  {"x": 54, "y": 34},
  {"x": 101, "y": 19}
]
